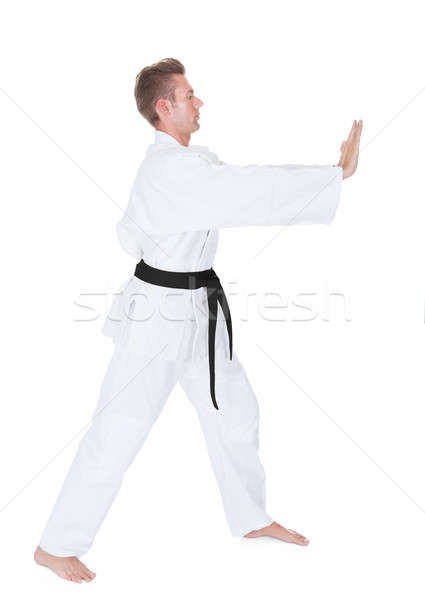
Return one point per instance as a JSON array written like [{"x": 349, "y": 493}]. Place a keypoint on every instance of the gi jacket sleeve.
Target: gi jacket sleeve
[
  {"x": 194, "y": 193},
  {"x": 182, "y": 191}
]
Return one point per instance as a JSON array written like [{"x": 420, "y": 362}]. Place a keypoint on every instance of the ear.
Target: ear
[{"x": 162, "y": 107}]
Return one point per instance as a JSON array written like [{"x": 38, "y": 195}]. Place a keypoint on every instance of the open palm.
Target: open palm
[{"x": 350, "y": 150}]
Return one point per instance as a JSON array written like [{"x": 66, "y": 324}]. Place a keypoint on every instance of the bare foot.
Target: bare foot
[
  {"x": 68, "y": 567},
  {"x": 277, "y": 531}
]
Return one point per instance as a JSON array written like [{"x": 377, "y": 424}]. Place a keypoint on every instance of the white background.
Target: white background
[{"x": 340, "y": 386}]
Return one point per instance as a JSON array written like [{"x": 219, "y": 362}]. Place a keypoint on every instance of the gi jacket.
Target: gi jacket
[{"x": 181, "y": 197}]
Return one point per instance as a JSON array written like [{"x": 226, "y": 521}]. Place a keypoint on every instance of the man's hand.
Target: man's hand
[{"x": 350, "y": 150}]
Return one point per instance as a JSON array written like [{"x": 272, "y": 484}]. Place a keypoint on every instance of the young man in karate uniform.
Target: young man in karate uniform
[{"x": 164, "y": 333}]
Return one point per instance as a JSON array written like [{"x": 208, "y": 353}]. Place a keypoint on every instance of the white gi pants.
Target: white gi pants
[{"x": 132, "y": 397}]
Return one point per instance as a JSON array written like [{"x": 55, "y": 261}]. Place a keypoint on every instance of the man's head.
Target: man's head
[{"x": 165, "y": 98}]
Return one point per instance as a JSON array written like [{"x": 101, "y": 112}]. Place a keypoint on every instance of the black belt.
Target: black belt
[{"x": 191, "y": 280}]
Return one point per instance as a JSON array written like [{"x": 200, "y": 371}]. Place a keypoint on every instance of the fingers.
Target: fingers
[
  {"x": 359, "y": 129},
  {"x": 357, "y": 136},
  {"x": 350, "y": 147},
  {"x": 354, "y": 135},
  {"x": 350, "y": 135},
  {"x": 352, "y": 132}
]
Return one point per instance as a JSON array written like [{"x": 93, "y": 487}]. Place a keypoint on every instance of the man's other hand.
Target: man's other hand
[{"x": 350, "y": 150}]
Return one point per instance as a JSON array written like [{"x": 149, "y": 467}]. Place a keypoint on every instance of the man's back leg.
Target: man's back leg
[{"x": 132, "y": 396}]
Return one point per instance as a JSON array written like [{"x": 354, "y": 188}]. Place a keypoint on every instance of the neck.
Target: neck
[{"x": 182, "y": 138}]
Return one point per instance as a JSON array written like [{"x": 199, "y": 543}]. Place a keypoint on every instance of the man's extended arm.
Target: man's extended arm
[{"x": 190, "y": 192}]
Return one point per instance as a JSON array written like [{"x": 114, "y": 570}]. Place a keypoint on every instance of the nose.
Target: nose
[{"x": 199, "y": 103}]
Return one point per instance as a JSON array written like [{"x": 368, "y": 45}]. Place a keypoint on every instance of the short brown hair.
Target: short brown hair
[{"x": 154, "y": 82}]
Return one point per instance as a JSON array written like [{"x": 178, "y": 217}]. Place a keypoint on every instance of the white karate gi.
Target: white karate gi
[{"x": 180, "y": 198}]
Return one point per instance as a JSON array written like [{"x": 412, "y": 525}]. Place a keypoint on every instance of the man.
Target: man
[{"x": 170, "y": 332}]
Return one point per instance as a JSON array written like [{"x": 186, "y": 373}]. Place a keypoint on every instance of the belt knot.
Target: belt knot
[{"x": 213, "y": 276}]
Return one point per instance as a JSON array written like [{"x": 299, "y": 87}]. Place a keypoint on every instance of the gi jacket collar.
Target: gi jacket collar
[{"x": 163, "y": 138}]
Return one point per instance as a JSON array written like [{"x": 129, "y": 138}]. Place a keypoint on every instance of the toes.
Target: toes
[
  {"x": 75, "y": 577},
  {"x": 301, "y": 538},
  {"x": 79, "y": 572},
  {"x": 86, "y": 571}
]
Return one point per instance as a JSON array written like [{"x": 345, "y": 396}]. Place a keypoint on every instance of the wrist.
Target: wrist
[{"x": 344, "y": 172}]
